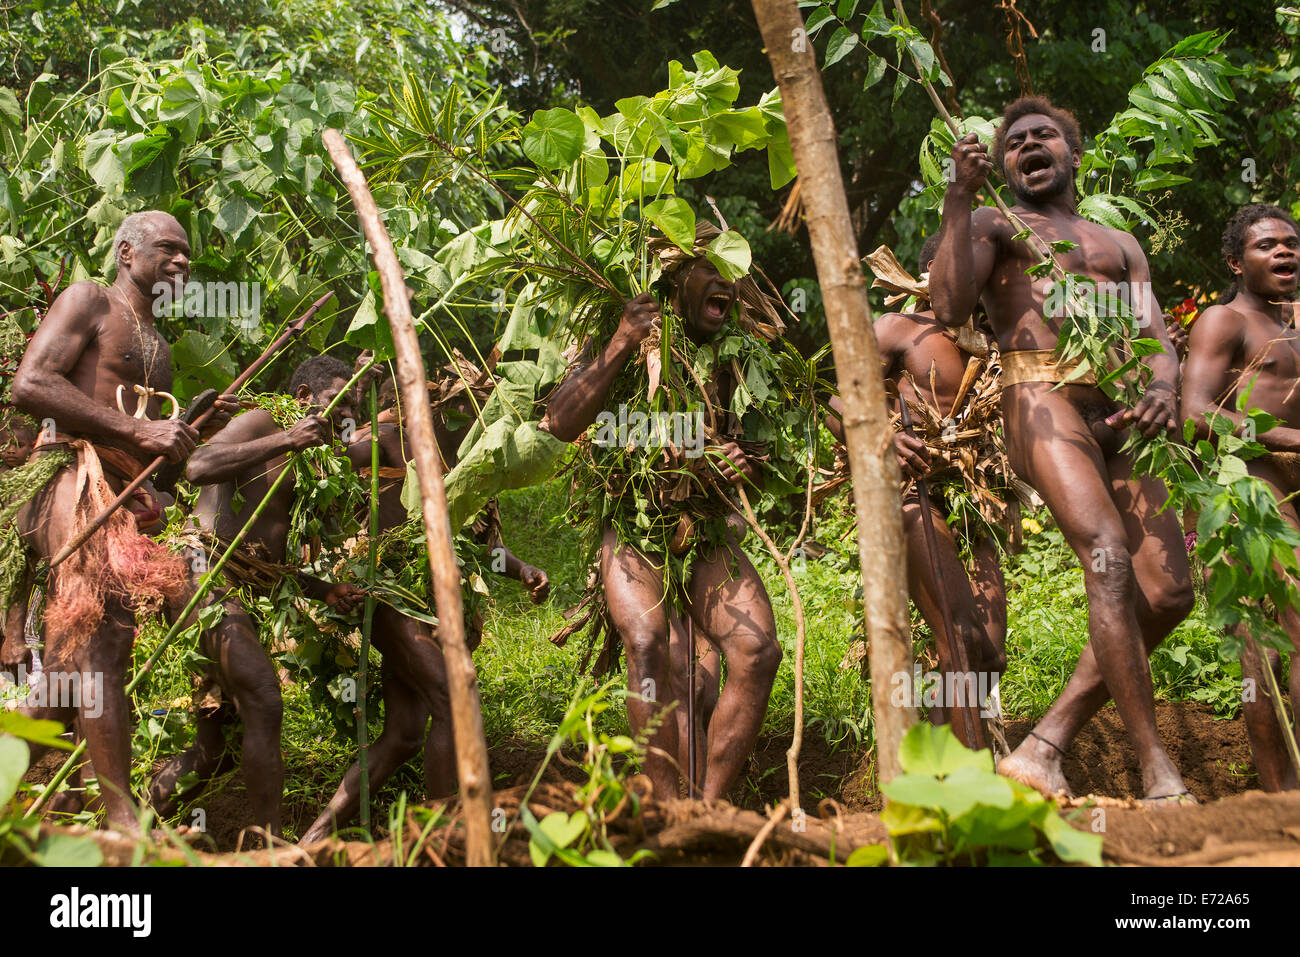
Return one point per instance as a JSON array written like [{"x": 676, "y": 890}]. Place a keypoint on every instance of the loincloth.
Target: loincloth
[
  {"x": 116, "y": 562},
  {"x": 1040, "y": 365}
]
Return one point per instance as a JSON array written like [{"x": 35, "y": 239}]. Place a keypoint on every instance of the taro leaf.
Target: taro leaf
[
  {"x": 927, "y": 749},
  {"x": 1010, "y": 827},
  {"x": 675, "y": 219},
  {"x": 371, "y": 331},
  {"x": 869, "y": 855},
  {"x": 780, "y": 161},
  {"x": 730, "y": 255},
  {"x": 553, "y": 139},
  {"x": 908, "y": 819},
  {"x": 64, "y": 850},
  {"x": 955, "y": 795},
  {"x": 13, "y": 765}
]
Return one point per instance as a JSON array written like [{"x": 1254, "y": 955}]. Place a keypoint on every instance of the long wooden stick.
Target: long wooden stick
[
  {"x": 867, "y": 431},
  {"x": 467, "y": 718},
  {"x": 969, "y": 729},
  {"x": 294, "y": 329},
  {"x": 368, "y": 620},
  {"x": 1279, "y": 710}
]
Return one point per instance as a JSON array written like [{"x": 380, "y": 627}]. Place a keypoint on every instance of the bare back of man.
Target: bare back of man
[
  {"x": 236, "y": 471},
  {"x": 1063, "y": 439},
  {"x": 94, "y": 342},
  {"x": 1252, "y": 343}
]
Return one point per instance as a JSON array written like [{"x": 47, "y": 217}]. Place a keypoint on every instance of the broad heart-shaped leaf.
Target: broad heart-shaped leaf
[
  {"x": 100, "y": 159},
  {"x": 14, "y": 755},
  {"x": 205, "y": 361},
  {"x": 730, "y": 255},
  {"x": 955, "y": 795},
  {"x": 927, "y": 749},
  {"x": 370, "y": 330},
  {"x": 553, "y": 139},
  {"x": 234, "y": 213},
  {"x": 908, "y": 819},
  {"x": 675, "y": 219},
  {"x": 64, "y": 850}
]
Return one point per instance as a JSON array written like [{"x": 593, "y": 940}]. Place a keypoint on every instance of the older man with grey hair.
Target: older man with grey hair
[{"x": 95, "y": 341}]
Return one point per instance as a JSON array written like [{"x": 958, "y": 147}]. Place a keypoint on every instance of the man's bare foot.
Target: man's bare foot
[
  {"x": 1036, "y": 763},
  {"x": 1168, "y": 800}
]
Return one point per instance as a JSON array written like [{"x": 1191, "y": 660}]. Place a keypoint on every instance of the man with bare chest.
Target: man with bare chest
[
  {"x": 236, "y": 470},
  {"x": 1064, "y": 438},
  {"x": 723, "y": 594},
  {"x": 1248, "y": 340},
  {"x": 95, "y": 345}
]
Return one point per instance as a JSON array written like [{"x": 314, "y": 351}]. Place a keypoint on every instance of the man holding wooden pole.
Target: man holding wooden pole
[{"x": 96, "y": 344}]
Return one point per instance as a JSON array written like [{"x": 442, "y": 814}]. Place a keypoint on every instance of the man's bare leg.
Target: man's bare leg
[
  {"x": 1135, "y": 575},
  {"x": 206, "y": 758},
  {"x": 403, "y": 735},
  {"x": 961, "y": 596},
  {"x": 730, "y": 606},
  {"x": 634, "y": 593}
]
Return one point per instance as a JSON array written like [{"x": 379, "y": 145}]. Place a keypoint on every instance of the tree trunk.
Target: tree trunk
[
  {"x": 857, "y": 361},
  {"x": 462, "y": 682}
]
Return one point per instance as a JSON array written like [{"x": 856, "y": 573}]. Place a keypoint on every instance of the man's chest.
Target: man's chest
[
  {"x": 1095, "y": 253},
  {"x": 135, "y": 353},
  {"x": 1270, "y": 350}
]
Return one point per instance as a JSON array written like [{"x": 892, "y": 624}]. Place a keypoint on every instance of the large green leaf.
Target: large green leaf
[
  {"x": 730, "y": 255},
  {"x": 370, "y": 330},
  {"x": 553, "y": 139},
  {"x": 14, "y": 756},
  {"x": 935, "y": 750},
  {"x": 675, "y": 219}
]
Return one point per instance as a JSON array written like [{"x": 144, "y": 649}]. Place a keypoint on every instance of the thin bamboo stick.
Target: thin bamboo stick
[{"x": 368, "y": 622}]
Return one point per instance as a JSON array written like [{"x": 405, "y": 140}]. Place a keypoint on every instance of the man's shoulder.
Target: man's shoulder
[
  {"x": 1215, "y": 324},
  {"x": 253, "y": 424},
  {"x": 83, "y": 297}
]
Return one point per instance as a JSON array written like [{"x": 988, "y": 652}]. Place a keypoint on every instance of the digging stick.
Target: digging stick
[
  {"x": 690, "y": 707},
  {"x": 950, "y": 646},
  {"x": 368, "y": 621},
  {"x": 467, "y": 718},
  {"x": 80, "y": 538}
]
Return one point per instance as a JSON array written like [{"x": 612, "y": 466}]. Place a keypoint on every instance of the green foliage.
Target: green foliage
[{"x": 949, "y": 807}]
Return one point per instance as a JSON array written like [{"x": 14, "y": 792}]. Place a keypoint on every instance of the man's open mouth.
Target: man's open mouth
[
  {"x": 1036, "y": 163},
  {"x": 1285, "y": 270},
  {"x": 717, "y": 305}
]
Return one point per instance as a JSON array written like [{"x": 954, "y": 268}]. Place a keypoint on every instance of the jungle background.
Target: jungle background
[{"x": 212, "y": 110}]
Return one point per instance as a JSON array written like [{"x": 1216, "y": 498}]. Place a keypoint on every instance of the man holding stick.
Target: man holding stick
[
  {"x": 1248, "y": 341},
  {"x": 95, "y": 344},
  {"x": 236, "y": 470},
  {"x": 1064, "y": 437}
]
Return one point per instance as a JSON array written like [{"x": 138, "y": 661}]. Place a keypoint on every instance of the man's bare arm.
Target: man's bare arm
[
  {"x": 578, "y": 399},
  {"x": 250, "y": 440},
  {"x": 42, "y": 389},
  {"x": 1158, "y": 407},
  {"x": 968, "y": 240},
  {"x": 1213, "y": 346}
]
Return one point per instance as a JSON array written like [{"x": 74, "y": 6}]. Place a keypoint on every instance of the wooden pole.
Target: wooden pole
[
  {"x": 467, "y": 718},
  {"x": 867, "y": 431}
]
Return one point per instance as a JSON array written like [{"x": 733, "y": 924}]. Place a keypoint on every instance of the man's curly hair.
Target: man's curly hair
[
  {"x": 317, "y": 373},
  {"x": 1026, "y": 106}
]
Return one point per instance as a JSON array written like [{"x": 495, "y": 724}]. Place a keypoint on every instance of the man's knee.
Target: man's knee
[
  {"x": 1173, "y": 602},
  {"x": 646, "y": 643},
  {"x": 754, "y": 654}
]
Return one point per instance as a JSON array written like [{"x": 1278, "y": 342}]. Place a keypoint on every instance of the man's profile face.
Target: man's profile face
[
  {"x": 163, "y": 256},
  {"x": 1269, "y": 264},
  {"x": 317, "y": 403},
  {"x": 704, "y": 299},
  {"x": 1036, "y": 159}
]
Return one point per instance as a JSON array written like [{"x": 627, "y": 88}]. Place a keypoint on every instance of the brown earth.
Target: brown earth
[{"x": 1235, "y": 825}]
